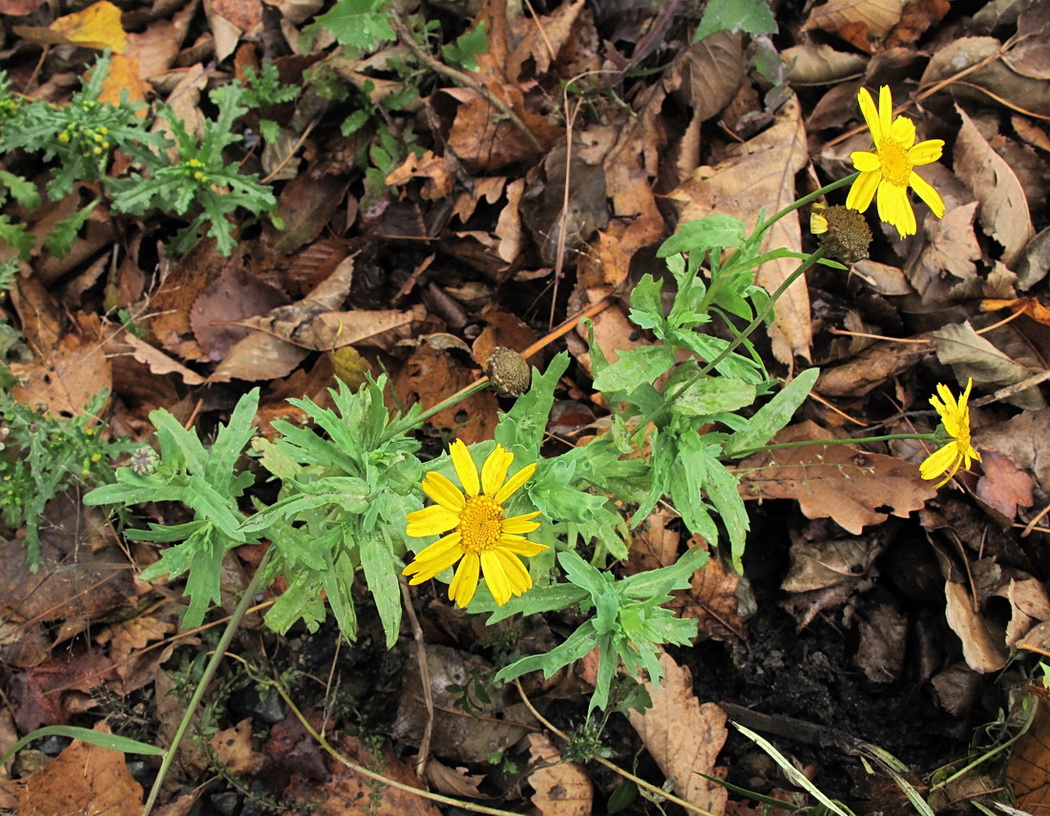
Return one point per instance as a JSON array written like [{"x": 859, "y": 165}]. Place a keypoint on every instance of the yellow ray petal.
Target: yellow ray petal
[
  {"x": 496, "y": 577},
  {"x": 465, "y": 581},
  {"x": 515, "y": 481},
  {"x": 466, "y": 470},
  {"x": 429, "y": 521},
  {"x": 494, "y": 471},
  {"x": 441, "y": 490}
]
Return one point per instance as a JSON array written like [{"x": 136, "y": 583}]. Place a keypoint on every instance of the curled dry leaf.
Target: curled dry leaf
[
  {"x": 983, "y": 649},
  {"x": 1004, "y": 208},
  {"x": 858, "y": 21}
]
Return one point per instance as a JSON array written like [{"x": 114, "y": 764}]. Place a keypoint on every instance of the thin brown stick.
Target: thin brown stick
[
  {"x": 424, "y": 677},
  {"x": 463, "y": 79}
]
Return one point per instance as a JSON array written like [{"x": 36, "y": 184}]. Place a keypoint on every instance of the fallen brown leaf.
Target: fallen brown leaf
[
  {"x": 683, "y": 736},
  {"x": 562, "y": 788},
  {"x": 82, "y": 779},
  {"x": 853, "y": 487}
]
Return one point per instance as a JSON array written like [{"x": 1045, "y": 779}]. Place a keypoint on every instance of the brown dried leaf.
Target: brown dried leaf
[
  {"x": 853, "y": 487},
  {"x": 874, "y": 18},
  {"x": 684, "y": 736},
  {"x": 1004, "y": 208},
  {"x": 430, "y": 376},
  {"x": 453, "y": 781},
  {"x": 883, "y": 632},
  {"x": 169, "y": 308},
  {"x": 983, "y": 650},
  {"x": 232, "y": 297},
  {"x": 48, "y": 694},
  {"x": 988, "y": 77},
  {"x": 871, "y": 368},
  {"x": 69, "y": 376},
  {"x": 824, "y": 564},
  {"x": 82, "y": 779},
  {"x": 1003, "y": 486},
  {"x": 562, "y": 788},
  {"x": 973, "y": 355},
  {"x": 953, "y": 247},
  {"x": 233, "y": 747},
  {"x": 543, "y": 40},
  {"x": 1028, "y": 770},
  {"x": 350, "y": 794}
]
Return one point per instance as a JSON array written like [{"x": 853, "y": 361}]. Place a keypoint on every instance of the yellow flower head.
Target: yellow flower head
[
  {"x": 955, "y": 417},
  {"x": 887, "y": 173},
  {"x": 484, "y": 540}
]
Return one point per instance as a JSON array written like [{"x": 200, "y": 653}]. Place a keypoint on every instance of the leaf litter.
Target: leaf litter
[{"x": 519, "y": 206}]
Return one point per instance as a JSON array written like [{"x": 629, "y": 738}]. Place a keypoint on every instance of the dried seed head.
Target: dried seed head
[
  {"x": 844, "y": 234},
  {"x": 510, "y": 375}
]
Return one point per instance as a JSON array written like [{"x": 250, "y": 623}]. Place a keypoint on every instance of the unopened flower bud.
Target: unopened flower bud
[
  {"x": 144, "y": 460},
  {"x": 508, "y": 372}
]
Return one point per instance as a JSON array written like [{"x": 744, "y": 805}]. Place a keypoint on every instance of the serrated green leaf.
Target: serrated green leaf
[
  {"x": 65, "y": 232},
  {"x": 361, "y": 25},
  {"x": 641, "y": 365},
  {"x": 752, "y": 16},
  {"x": 22, "y": 191},
  {"x": 716, "y": 231},
  {"x": 381, "y": 571}
]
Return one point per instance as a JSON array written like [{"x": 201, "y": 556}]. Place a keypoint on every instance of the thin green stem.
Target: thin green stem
[
  {"x": 209, "y": 672},
  {"x": 860, "y": 440},
  {"x": 765, "y": 311},
  {"x": 408, "y": 423},
  {"x": 802, "y": 202}
]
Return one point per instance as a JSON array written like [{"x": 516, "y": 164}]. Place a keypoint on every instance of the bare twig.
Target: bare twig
[{"x": 463, "y": 79}]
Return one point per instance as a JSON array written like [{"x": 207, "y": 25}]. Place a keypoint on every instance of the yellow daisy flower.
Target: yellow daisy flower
[
  {"x": 887, "y": 173},
  {"x": 955, "y": 417},
  {"x": 485, "y": 541}
]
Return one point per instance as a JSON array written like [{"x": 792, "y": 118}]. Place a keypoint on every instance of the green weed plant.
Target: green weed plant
[{"x": 189, "y": 179}]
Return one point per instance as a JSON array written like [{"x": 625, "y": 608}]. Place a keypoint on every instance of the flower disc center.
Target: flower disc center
[
  {"x": 480, "y": 524},
  {"x": 896, "y": 167}
]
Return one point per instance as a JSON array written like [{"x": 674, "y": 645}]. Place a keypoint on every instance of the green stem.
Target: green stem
[
  {"x": 802, "y": 202},
  {"x": 408, "y": 423},
  {"x": 816, "y": 256},
  {"x": 929, "y": 437},
  {"x": 209, "y": 672}
]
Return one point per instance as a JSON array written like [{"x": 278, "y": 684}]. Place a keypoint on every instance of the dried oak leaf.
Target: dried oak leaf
[
  {"x": 1003, "y": 486},
  {"x": 233, "y": 748},
  {"x": 84, "y": 778},
  {"x": 853, "y": 487}
]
